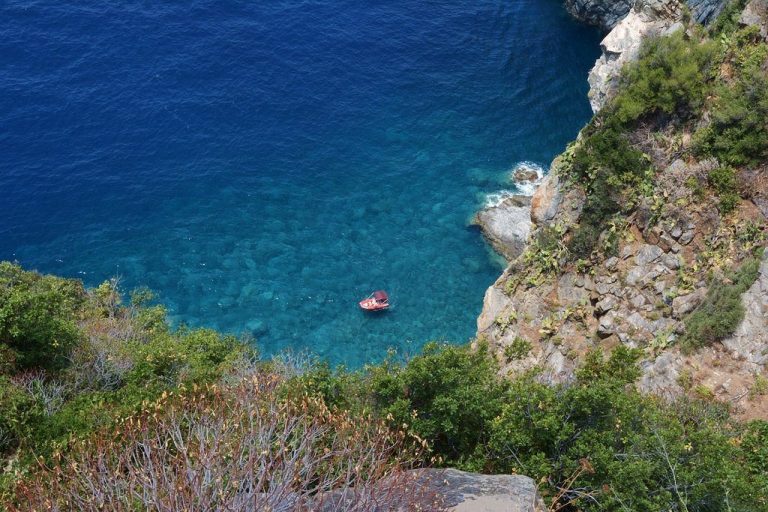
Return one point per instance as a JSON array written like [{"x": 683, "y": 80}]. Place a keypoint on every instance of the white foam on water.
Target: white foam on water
[
  {"x": 521, "y": 189},
  {"x": 529, "y": 187},
  {"x": 496, "y": 198}
]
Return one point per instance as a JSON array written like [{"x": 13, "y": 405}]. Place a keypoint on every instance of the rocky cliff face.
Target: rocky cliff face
[
  {"x": 606, "y": 14},
  {"x": 639, "y": 297},
  {"x": 636, "y": 21},
  {"x": 600, "y": 13},
  {"x": 667, "y": 250},
  {"x": 623, "y": 42}
]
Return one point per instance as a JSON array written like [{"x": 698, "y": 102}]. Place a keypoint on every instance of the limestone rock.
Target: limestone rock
[
  {"x": 648, "y": 254},
  {"x": 684, "y": 304},
  {"x": 756, "y": 14},
  {"x": 494, "y": 303},
  {"x": 473, "y": 492},
  {"x": 606, "y": 14},
  {"x": 546, "y": 200},
  {"x": 706, "y": 11},
  {"x": 750, "y": 341},
  {"x": 622, "y": 45},
  {"x": 661, "y": 376},
  {"x": 507, "y": 225},
  {"x": 601, "y": 13}
]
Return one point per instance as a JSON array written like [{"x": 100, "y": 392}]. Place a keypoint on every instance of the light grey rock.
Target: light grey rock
[
  {"x": 568, "y": 292},
  {"x": 607, "y": 303},
  {"x": 627, "y": 252},
  {"x": 507, "y": 225},
  {"x": 648, "y": 254},
  {"x": 687, "y": 236},
  {"x": 671, "y": 261},
  {"x": 494, "y": 303},
  {"x": 607, "y": 325},
  {"x": 750, "y": 341},
  {"x": 622, "y": 44},
  {"x": 756, "y": 14},
  {"x": 546, "y": 200},
  {"x": 639, "y": 322},
  {"x": 635, "y": 275},
  {"x": 661, "y": 375},
  {"x": 473, "y": 492},
  {"x": 601, "y": 13},
  {"x": 684, "y": 304},
  {"x": 638, "y": 301}
]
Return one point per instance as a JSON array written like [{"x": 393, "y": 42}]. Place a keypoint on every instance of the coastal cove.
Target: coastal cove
[{"x": 263, "y": 167}]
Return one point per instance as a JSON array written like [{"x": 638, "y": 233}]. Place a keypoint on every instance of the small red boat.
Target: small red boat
[{"x": 376, "y": 301}]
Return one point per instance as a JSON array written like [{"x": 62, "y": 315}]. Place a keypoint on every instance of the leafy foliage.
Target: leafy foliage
[
  {"x": 670, "y": 77},
  {"x": 723, "y": 180},
  {"x": 721, "y": 311},
  {"x": 38, "y": 317},
  {"x": 613, "y": 173},
  {"x": 447, "y": 394},
  {"x": 738, "y": 132}
]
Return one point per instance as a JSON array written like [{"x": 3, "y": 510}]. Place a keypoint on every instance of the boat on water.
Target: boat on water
[{"x": 377, "y": 301}]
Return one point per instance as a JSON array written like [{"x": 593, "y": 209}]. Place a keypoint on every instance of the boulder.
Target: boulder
[
  {"x": 546, "y": 200},
  {"x": 756, "y": 14},
  {"x": 684, "y": 304},
  {"x": 472, "y": 492},
  {"x": 507, "y": 225},
  {"x": 524, "y": 174},
  {"x": 648, "y": 254}
]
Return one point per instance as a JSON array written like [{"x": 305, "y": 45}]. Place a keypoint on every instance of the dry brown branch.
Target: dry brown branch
[{"x": 235, "y": 448}]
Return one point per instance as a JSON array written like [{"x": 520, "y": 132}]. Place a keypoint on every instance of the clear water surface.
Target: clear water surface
[{"x": 264, "y": 165}]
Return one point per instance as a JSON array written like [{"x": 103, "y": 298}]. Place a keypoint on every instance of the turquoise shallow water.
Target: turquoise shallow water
[{"x": 263, "y": 166}]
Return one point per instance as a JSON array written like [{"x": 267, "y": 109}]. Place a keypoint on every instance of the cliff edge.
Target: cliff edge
[{"x": 649, "y": 229}]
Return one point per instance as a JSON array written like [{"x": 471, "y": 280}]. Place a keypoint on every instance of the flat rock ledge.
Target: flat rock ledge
[
  {"x": 473, "y": 492},
  {"x": 507, "y": 225}
]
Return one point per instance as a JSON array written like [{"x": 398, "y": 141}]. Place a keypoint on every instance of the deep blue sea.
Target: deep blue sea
[{"x": 264, "y": 165}]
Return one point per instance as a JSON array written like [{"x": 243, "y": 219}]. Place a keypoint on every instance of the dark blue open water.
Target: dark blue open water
[{"x": 263, "y": 165}]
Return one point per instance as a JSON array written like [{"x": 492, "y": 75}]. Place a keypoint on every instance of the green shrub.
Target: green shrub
[
  {"x": 671, "y": 76},
  {"x": 718, "y": 316},
  {"x": 723, "y": 180},
  {"x": 728, "y": 20},
  {"x": 447, "y": 395},
  {"x": 614, "y": 175},
  {"x": 38, "y": 316},
  {"x": 738, "y": 132},
  {"x": 518, "y": 349}
]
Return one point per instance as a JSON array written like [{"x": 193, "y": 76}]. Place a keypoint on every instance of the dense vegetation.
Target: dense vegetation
[
  {"x": 712, "y": 84},
  {"x": 125, "y": 380},
  {"x": 718, "y": 316},
  {"x": 594, "y": 444}
]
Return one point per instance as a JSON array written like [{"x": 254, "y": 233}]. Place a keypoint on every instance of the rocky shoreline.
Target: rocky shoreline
[{"x": 635, "y": 298}]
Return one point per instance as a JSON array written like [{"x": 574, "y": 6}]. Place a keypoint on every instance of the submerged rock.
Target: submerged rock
[{"x": 507, "y": 225}]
